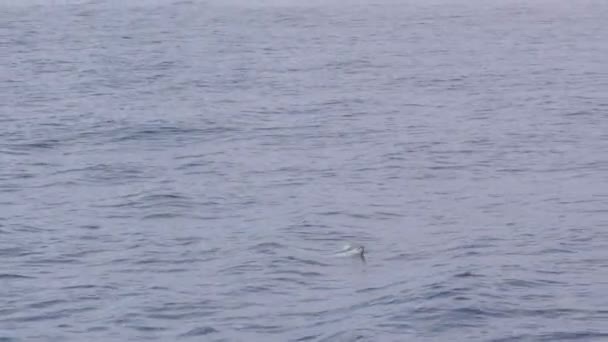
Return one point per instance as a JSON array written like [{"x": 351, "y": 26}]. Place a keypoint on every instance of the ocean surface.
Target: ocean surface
[{"x": 185, "y": 170}]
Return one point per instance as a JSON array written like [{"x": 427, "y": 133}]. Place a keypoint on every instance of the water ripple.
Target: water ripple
[{"x": 192, "y": 178}]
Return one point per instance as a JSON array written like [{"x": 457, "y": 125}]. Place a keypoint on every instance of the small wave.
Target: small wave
[
  {"x": 270, "y": 248},
  {"x": 14, "y": 276},
  {"x": 192, "y": 313},
  {"x": 157, "y": 216},
  {"x": 302, "y": 274},
  {"x": 38, "y": 145},
  {"x": 47, "y": 303},
  {"x": 530, "y": 283},
  {"x": 52, "y": 315},
  {"x": 165, "y": 132},
  {"x": 146, "y": 328},
  {"x": 555, "y": 336},
  {"x": 115, "y": 173},
  {"x": 200, "y": 331},
  {"x": 467, "y": 274},
  {"x": 94, "y": 329},
  {"x": 240, "y": 269},
  {"x": 87, "y": 286},
  {"x": 304, "y": 261},
  {"x": 13, "y": 153},
  {"x": 556, "y": 250},
  {"x": 166, "y": 261},
  {"x": 57, "y": 260},
  {"x": 285, "y": 280},
  {"x": 351, "y": 335},
  {"x": 407, "y": 256},
  {"x": 90, "y": 226}
]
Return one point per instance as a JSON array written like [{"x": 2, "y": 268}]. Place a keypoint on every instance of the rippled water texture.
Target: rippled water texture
[{"x": 187, "y": 170}]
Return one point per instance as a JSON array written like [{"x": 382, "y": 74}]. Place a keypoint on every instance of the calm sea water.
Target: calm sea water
[{"x": 184, "y": 170}]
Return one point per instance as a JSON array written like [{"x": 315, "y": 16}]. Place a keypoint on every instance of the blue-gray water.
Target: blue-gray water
[{"x": 184, "y": 170}]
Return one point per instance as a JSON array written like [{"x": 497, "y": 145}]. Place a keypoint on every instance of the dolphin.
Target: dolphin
[{"x": 351, "y": 250}]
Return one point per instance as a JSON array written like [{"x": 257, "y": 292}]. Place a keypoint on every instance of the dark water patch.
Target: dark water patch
[
  {"x": 467, "y": 274},
  {"x": 289, "y": 280},
  {"x": 9, "y": 276},
  {"x": 324, "y": 234},
  {"x": 195, "y": 165},
  {"x": 175, "y": 270},
  {"x": 400, "y": 327},
  {"x": 53, "y": 315},
  {"x": 524, "y": 283},
  {"x": 551, "y": 313},
  {"x": 407, "y": 256},
  {"x": 48, "y": 144},
  {"x": 90, "y": 226},
  {"x": 166, "y": 261},
  {"x": 29, "y": 229},
  {"x": 97, "y": 329},
  {"x": 556, "y": 336},
  {"x": 13, "y": 251},
  {"x": 17, "y": 175},
  {"x": 263, "y": 328},
  {"x": 47, "y": 303},
  {"x": 196, "y": 157},
  {"x": 116, "y": 173},
  {"x": 350, "y": 335},
  {"x": 55, "y": 184},
  {"x": 164, "y": 314},
  {"x": 386, "y": 215},
  {"x": 270, "y": 248},
  {"x": 167, "y": 133},
  {"x": 159, "y": 216},
  {"x": 146, "y": 328},
  {"x": 251, "y": 289},
  {"x": 330, "y": 213},
  {"x": 379, "y": 288},
  {"x": 448, "y": 293},
  {"x": 251, "y": 266},
  {"x": 467, "y": 246},
  {"x": 445, "y": 289},
  {"x": 14, "y": 153},
  {"x": 580, "y": 113},
  {"x": 474, "y": 314},
  {"x": 82, "y": 254},
  {"x": 468, "y": 254},
  {"x": 308, "y": 338},
  {"x": 295, "y": 260},
  {"x": 553, "y": 272},
  {"x": 150, "y": 201},
  {"x": 120, "y": 204},
  {"x": 302, "y": 274},
  {"x": 88, "y": 286},
  {"x": 447, "y": 167},
  {"x": 556, "y": 250},
  {"x": 54, "y": 261},
  {"x": 385, "y": 300},
  {"x": 162, "y": 197}
]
